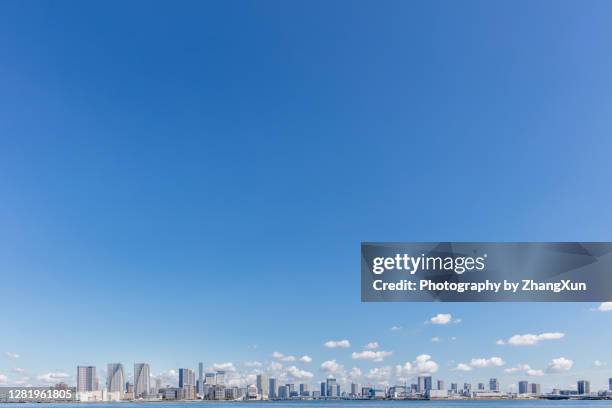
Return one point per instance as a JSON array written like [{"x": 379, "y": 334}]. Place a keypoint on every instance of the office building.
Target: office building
[
  {"x": 220, "y": 378},
  {"x": 142, "y": 379},
  {"x": 272, "y": 388},
  {"x": 584, "y": 387},
  {"x": 330, "y": 385},
  {"x": 323, "y": 389},
  {"x": 494, "y": 385},
  {"x": 86, "y": 379},
  {"x": 523, "y": 387},
  {"x": 115, "y": 378},
  {"x": 304, "y": 392},
  {"x": 262, "y": 385},
  {"x": 535, "y": 389},
  {"x": 440, "y": 384},
  {"x": 424, "y": 383},
  {"x": 186, "y": 377},
  {"x": 481, "y": 387},
  {"x": 454, "y": 388}
]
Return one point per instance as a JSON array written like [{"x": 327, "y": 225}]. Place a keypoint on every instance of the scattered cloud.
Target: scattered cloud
[
  {"x": 372, "y": 345},
  {"x": 52, "y": 377},
  {"x": 396, "y": 328},
  {"x": 298, "y": 374},
  {"x": 604, "y": 307},
  {"x": 253, "y": 364},
  {"x": 281, "y": 357},
  {"x": 462, "y": 367},
  {"x": 526, "y": 369},
  {"x": 481, "y": 363},
  {"x": 380, "y": 375},
  {"x": 530, "y": 339},
  {"x": 435, "y": 339},
  {"x": 224, "y": 367},
  {"x": 18, "y": 370},
  {"x": 306, "y": 359},
  {"x": 14, "y": 356},
  {"x": 423, "y": 364},
  {"x": 3, "y": 379},
  {"x": 375, "y": 356},
  {"x": 598, "y": 363},
  {"x": 441, "y": 318},
  {"x": 355, "y": 373},
  {"x": 559, "y": 365},
  {"x": 337, "y": 344},
  {"x": 331, "y": 366}
]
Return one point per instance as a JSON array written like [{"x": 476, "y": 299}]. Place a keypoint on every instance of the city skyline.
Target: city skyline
[{"x": 191, "y": 183}]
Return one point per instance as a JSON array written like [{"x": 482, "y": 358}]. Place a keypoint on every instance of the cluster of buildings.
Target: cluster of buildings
[{"x": 212, "y": 386}]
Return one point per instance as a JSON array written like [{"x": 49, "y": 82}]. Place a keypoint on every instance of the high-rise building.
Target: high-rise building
[
  {"x": 209, "y": 379},
  {"x": 424, "y": 383},
  {"x": 354, "y": 389},
  {"x": 262, "y": 385},
  {"x": 440, "y": 384},
  {"x": 481, "y": 387},
  {"x": 220, "y": 378},
  {"x": 142, "y": 379},
  {"x": 200, "y": 382},
  {"x": 323, "y": 389},
  {"x": 535, "y": 389},
  {"x": 272, "y": 388},
  {"x": 454, "y": 389},
  {"x": 523, "y": 387},
  {"x": 87, "y": 379},
  {"x": 304, "y": 390},
  {"x": 283, "y": 392},
  {"x": 186, "y": 377},
  {"x": 584, "y": 387},
  {"x": 331, "y": 387},
  {"x": 494, "y": 385},
  {"x": 115, "y": 378},
  {"x": 610, "y": 384}
]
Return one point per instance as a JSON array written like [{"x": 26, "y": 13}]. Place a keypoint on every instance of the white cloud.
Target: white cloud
[
  {"x": 337, "y": 344},
  {"x": 559, "y": 365},
  {"x": 372, "y": 345},
  {"x": 306, "y": 359},
  {"x": 453, "y": 338},
  {"x": 355, "y": 373},
  {"x": 462, "y": 367},
  {"x": 331, "y": 366},
  {"x": 3, "y": 379},
  {"x": 18, "y": 370},
  {"x": 12, "y": 355},
  {"x": 526, "y": 369},
  {"x": 604, "y": 307},
  {"x": 500, "y": 342},
  {"x": 298, "y": 374},
  {"x": 168, "y": 377},
  {"x": 435, "y": 339},
  {"x": 52, "y": 377},
  {"x": 224, "y": 366},
  {"x": 535, "y": 373},
  {"x": 253, "y": 364},
  {"x": 396, "y": 328},
  {"x": 281, "y": 357},
  {"x": 379, "y": 374},
  {"x": 598, "y": 363},
  {"x": 441, "y": 318},
  {"x": 423, "y": 364},
  {"x": 487, "y": 362},
  {"x": 376, "y": 356},
  {"x": 531, "y": 339}
]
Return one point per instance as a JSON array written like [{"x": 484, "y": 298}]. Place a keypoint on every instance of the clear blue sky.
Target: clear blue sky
[{"x": 182, "y": 181}]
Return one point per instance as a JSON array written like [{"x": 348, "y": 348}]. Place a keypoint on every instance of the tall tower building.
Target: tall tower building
[
  {"x": 424, "y": 383},
  {"x": 523, "y": 387},
  {"x": 584, "y": 387},
  {"x": 142, "y": 379},
  {"x": 115, "y": 378},
  {"x": 262, "y": 385},
  {"x": 86, "y": 379},
  {"x": 331, "y": 387},
  {"x": 610, "y": 384},
  {"x": 186, "y": 377},
  {"x": 272, "y": 388},
  {"x": 220, "y": 378},
  {"x": 494, "y": 385}
]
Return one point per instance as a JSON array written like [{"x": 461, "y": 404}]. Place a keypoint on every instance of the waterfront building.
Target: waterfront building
[
  {"x": 610, "y": 384},
  {"x": 523, "y": 387},
  {"x": 494, "y": 385},
  {"x": 262, "y": 385},
  {"x": 440, "y": 384},
  {"x": 454, "y": 389},
  {"x": 331, "y": 387},
  {"x": 354, "y": 389},
  {"x": 304, "y": 390},
  {"x": 535, "y": 389},
  {"x": 186, "y": 377},
  {"x": 283, "y": 392},
  {"x": 142, "y": 379},
  {"x": 200, "y": 381},
  {"x": 424, "y": 383},
  {"x": 220, "y": 378},
  {"x": 481, "y": 387},
  {"x": 584, "y": 387},
  {"x": 86, "y": 379},
  {"x": 323, "y": 389},
  {"x": 115, "y": 378},
  {"x": 209, "y": 379},
  {"x": 272, "y": 388}
]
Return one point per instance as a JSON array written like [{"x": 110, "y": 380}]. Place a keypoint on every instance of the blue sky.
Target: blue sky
[{"x": 184, "y": 182}]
